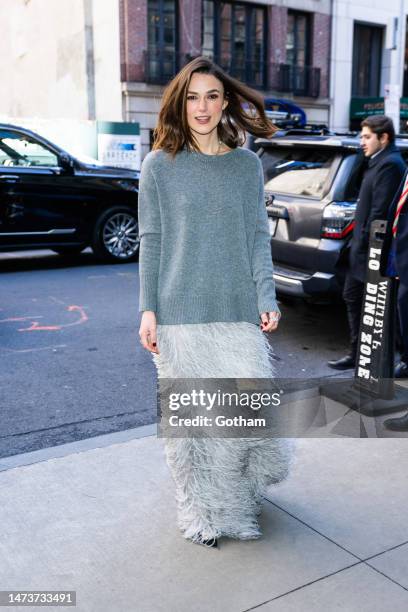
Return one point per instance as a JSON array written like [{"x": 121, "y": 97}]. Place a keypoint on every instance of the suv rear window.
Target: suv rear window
[{"x": 297, "y": 171}]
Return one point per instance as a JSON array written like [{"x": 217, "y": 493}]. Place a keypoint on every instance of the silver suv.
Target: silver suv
[{"x": 312, "y": 180}]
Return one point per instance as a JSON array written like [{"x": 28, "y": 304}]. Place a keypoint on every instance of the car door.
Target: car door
[{"x": 37, "y": 204}]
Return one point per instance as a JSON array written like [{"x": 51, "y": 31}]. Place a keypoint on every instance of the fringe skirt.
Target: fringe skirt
[{"x": 219, "y": 482}]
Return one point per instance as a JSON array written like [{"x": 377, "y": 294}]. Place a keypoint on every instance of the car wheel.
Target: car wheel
[
  {"x": 116, "y": 235},
  {"x": 68, "y": 250}
]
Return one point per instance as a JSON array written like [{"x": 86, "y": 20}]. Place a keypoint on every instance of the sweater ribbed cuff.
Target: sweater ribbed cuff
[
  {"x": 147, "y": 292},
  {"x": 270, "y": 306}
]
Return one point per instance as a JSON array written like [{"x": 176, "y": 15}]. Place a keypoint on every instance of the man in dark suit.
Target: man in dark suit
[{"x": 381, "y": 180}]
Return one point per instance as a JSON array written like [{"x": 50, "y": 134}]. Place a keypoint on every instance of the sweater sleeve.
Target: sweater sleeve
[
  {"x": 150, "y": 238},
  {"x": 261, "y": 261}
]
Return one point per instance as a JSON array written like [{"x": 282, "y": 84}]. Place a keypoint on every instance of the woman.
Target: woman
[{"x": 207, "y": 288}]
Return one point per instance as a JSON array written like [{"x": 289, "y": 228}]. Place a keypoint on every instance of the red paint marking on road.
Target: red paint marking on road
[
  {"x": 83, "y": 318},
  {"x": 35, "y": 326}
]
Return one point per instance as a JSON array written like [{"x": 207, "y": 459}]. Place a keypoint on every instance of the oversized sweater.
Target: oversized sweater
[{"x": 205, "y": 247}]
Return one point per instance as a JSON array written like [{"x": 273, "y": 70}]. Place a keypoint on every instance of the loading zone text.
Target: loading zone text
[{"x": 373, "y": 318}]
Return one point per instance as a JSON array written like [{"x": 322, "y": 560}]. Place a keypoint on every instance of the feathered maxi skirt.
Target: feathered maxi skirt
[{"x": 219, "y": 482}]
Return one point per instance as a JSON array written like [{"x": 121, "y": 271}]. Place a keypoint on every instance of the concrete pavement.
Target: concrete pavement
[{"x": 98, "y": 517}]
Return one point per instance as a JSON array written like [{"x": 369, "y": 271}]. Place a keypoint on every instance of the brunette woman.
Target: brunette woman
[{"x": 207, "y": 291}]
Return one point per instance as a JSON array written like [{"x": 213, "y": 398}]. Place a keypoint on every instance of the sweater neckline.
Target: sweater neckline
[{"x": 210, "y": 158}]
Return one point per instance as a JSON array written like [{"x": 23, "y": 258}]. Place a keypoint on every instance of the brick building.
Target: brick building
[
  {"x": 110, "y": 60},
  {"x": 281, "y": 49}
]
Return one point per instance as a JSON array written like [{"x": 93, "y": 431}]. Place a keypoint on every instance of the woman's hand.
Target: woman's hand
[
  {"x": 147, "y": 331},
  {"x": 270, "y": 321}
]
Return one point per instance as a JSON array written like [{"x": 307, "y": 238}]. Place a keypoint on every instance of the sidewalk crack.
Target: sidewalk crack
[
  {"x": 302, "y": 586},
  {"x": 315, "y": 530}
]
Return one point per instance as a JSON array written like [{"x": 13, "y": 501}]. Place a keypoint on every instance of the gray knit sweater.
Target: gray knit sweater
[{"x": 205, "y": 246}]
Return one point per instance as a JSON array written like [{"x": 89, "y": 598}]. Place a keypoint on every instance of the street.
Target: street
[{"x": 72, "y": 364}]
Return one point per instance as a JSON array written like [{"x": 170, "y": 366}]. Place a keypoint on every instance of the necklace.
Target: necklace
[
  {"x": 218, "y": 150},
  {"x": 213, "y": 154}
]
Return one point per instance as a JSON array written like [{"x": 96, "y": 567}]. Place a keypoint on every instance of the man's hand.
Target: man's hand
[
  {"x": 147, "y": 331},
  {"x": 270, "y": 321}
]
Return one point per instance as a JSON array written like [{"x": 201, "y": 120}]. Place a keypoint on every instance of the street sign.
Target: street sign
[
  {"x": 119, "y": 144},
  {"x": 372, "y": 391},
  {"x": 392, "y": 104},
  {"x": 374, "y": 373}
]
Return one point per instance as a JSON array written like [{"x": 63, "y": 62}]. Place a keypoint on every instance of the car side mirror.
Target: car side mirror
[{"x": 66, "y": 162}]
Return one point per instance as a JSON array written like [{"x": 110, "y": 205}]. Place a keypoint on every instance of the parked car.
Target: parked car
[
  {"x": 51, "y": 199},
  {"x": 312, "y": 180},
  {"x": 283, "y": 113}
]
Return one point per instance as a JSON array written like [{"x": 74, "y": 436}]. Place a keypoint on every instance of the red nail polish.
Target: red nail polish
[{"x": 154, "y": 344}]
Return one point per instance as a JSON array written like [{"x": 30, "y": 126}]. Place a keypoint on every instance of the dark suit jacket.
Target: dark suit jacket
[
  {"x": 380, "y": 183},
  {"x": 401, "y": 251}
]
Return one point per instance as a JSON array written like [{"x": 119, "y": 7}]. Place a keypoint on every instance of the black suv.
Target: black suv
[
  {"x": 312, "y": 180},
  {"x": 52, "y": 200}
]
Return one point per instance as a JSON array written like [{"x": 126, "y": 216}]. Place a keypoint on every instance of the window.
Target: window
[
  {"x": 207, "y": 30},
  {"x": 297, "y": 75},
  {"x": 19, "y": 150},
  {"x": 297, "y": 171},
  {"x": 298, "y": 39},
  {"x": 367, "y": 50},
  {"x": 162, "y": 41},
  {"x": 234, "y": 36}
]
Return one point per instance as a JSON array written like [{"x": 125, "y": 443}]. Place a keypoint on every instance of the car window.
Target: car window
[
  {"x": 20, "y": 150},
  {"x": 298, "y": 171}
]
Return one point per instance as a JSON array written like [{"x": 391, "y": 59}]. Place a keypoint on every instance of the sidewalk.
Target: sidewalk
[{"x": 101, "y": 521}]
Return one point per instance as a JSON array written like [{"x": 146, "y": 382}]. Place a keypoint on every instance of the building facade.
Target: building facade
[
  {"x": 60, "y": 59},
  {"x": 282, "y": 49},
  {"x": 111, "y": 59},
  {"x": 368, "y": 53}
]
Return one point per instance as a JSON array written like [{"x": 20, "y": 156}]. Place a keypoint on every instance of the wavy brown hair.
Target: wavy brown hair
[{"x": 172, "y": 131}]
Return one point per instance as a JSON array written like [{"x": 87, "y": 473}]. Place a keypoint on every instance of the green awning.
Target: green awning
[{"x": 364, "y": 107}]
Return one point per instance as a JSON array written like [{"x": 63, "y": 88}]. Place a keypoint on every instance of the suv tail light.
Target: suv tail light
[{"x": 338, "y": 220}]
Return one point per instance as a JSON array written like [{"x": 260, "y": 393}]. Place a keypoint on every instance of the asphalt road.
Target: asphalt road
[{"x": 71, "y": 363}]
